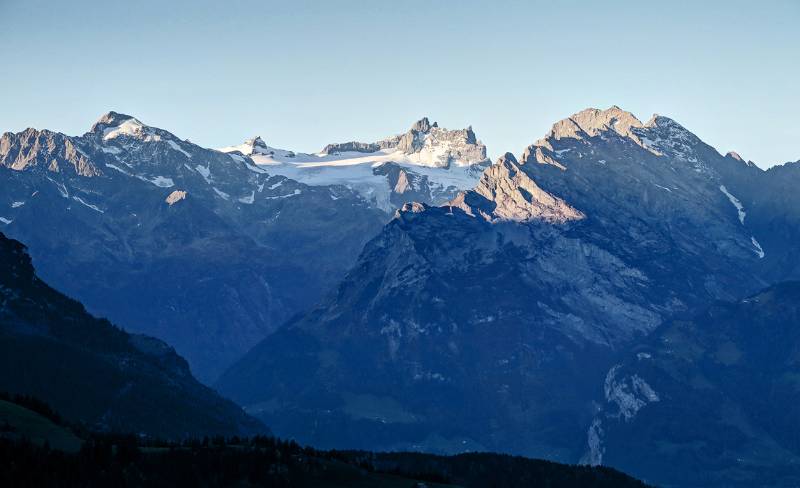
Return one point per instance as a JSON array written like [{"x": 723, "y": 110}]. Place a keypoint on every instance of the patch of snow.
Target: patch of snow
[
  {"x": 296, "y": 192},
  {"x": 663, "y": 187},
  {"x": 205, "y": 172},
  {"x": 112, "y": 166},
  {"x": 256, "y": 169},
  {"x": 162, "y": 182},
  {"x": 355, "y": 170},
  {"x": 5, "y": 220},
  {"x": 236, "y": 157},
  {"x": 559, "y": 152},
  {"x": 357, "y": 173},
  {"x": 242, "y": 148},
  {"x": 176, "y": 147},
  {"x": 159, "y": 181},
  {"x": 249, "y": 199},
  {"x": 221, "y": 193},
  {"x": 643, "y": 355},
  {"x": 83, "y": 202},
  {"x": 758, "y": 249},
  {"x": 651, "y": 144},
  {"x": 17, "y": 204},
  {"x": 736, "y": 203},
  {"x": 111, "y": 150},
  {"x": 61, "y": 188},
  {"x": 663, "y": 136},
  {"x": 270, "y": 160},
  {"x": 131, "y": 128}
]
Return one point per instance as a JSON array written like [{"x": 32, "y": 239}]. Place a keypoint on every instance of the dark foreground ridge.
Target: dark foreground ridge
[
  {"x": 30, "y": 456},
  {"x": 95, "y": 373}
]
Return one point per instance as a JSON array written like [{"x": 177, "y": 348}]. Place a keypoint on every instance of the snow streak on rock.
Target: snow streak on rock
[{"x": 736, "y": 203}]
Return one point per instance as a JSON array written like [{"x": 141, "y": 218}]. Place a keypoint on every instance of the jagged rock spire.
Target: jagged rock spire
[
  {"x": 256, "y": 141},
  {"x": 423, "y": 125}
]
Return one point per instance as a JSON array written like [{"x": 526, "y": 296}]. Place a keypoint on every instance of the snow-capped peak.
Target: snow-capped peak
[
  {"x": 259, "y": 150},
  {"x": 114, "y": 124},
  {"x": 433, "y": 162},
  {"x": 424, "y": 144},
  {"x": 131, "y": 127},
  {"x": 111, "y": 119},
  {"x": 257, "y": 142},
  {"x": 256, "y": 145},
  {"x": 427, "y": 144},
  {"x": 659, "y": 134}
]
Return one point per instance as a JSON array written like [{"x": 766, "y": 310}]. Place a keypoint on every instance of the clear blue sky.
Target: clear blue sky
[{"x": 302, "y": 74}]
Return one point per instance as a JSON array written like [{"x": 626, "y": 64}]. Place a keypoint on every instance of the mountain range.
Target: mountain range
[
  {"x": 619, "y": 293},
  {"x": 209, "y": 250},
  {"x": 496, "y": 321}
]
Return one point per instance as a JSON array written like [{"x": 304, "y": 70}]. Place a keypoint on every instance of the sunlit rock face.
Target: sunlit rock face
[
  {"x": 510, "y": 194},
  {"x": 56, "y": 152}
]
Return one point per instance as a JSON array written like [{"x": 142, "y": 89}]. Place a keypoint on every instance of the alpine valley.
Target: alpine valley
[{"x": 619, "y": 293}]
